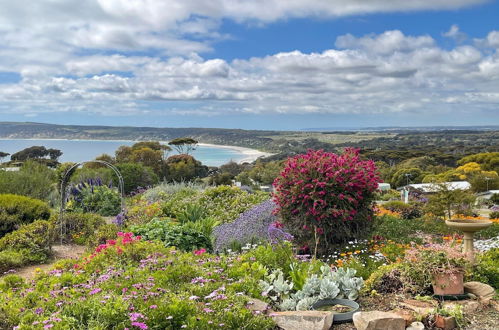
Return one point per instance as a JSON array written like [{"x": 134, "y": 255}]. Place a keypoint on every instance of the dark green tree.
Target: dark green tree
[{"x": 184, "y": 145}]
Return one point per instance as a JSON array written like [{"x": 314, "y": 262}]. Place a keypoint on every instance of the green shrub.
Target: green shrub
[
  {"x": 184, "y": 238},
  {"x": 103, "y": 234},
  {"x": 223, "y": 203},
  {"x": 93, "y": 198},
  {"x": 490, "y": 232},
  {"x": 11, "y": 281},
  {"x": 396, "y": 206},
  {"x": 32, "y": 180},
  {"x": 405, "y": 230},
  {"x": 486, "y": 268},
  {"x": 36, "y": 237},
  {"x": 18, "y": 210},
  {"x": 494, "y": 215},
  {"x": 29, "y": 244},
  {"x": 136, "y": 175},
  {"x": 10, "y": 259},
  {"x": 398, "y": 277},
  {"x": 79, "y": 227}
]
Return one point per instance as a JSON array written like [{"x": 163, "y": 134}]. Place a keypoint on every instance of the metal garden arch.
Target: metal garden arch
[{"x": 64, "y": 190}]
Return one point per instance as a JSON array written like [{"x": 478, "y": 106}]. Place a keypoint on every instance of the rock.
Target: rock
[
  {"x": 258, "y": 306},
  {"x": 472, "y": 296},
  {"x": 377, "y": 320},
  {"x": 420, "y": 307},
  {"x": 415, "y": 326},
  {"x": 445, "y": 322},
  {"x": 407, "y": 315},
  {"x": 483, "y": 291},
  {"x": 303, "y": 320},
  {"x": 469, "y": 306}
]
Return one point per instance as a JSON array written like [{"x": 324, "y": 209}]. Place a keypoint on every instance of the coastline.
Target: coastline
[{"x": 248, "y": 155}]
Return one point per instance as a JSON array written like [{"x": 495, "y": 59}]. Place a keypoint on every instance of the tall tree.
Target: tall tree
[{"x": 184, "y": 145}]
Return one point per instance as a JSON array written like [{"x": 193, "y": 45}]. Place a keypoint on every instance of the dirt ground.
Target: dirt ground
[{"x": 59, "y": 252}]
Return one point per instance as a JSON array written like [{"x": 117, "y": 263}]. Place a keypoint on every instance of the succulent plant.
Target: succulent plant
[{"x": 328, "y": 284}]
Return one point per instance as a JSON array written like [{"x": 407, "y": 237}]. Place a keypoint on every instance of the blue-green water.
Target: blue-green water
[{"x": 84, "y": 150}]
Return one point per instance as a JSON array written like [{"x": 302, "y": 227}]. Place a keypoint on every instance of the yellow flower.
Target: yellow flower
[{"x": 343, "y": 254}]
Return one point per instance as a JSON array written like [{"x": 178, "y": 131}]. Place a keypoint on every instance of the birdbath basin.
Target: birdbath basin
[{"x": 469, "y": 228}]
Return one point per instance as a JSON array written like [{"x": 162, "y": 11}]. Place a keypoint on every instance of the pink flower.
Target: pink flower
[
  {"x": 140, "y": 325},
  {"x": 199, "y": 252},
  {"x": 94, "y": 291}
]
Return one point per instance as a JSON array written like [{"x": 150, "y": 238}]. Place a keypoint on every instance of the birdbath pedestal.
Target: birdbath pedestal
[{"x": 469, "y": 228}]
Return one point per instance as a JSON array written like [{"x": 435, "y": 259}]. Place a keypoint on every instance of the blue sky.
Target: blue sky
[{"x": 261, "y": 64}]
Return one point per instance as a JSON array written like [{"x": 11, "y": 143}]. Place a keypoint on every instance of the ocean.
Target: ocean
[{"x": 84, "y": 150}]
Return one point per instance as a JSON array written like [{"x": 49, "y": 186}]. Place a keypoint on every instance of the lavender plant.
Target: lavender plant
[{"x": 251, "y": 226}]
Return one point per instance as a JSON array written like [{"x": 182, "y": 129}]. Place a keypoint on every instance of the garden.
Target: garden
[{"x": 317, "y": 251}]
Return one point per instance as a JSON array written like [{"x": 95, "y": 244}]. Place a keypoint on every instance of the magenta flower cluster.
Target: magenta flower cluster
[{"x": 319, "y": 193}]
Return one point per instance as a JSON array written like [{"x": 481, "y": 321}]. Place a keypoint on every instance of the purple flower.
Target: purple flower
[
  {"x": 135, "y": 316},
  {"x": 140, "y": 325},
  {"x": 251, "y": 226},
  {"x": 38, "y": 311},
  {"x": 277, "y": 235},
  {"x": 94, "y": 291},
  {"x": 120, "y": 219}
]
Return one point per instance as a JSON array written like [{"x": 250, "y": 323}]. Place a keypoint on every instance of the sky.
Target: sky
[{"x": 253, "y": 64}]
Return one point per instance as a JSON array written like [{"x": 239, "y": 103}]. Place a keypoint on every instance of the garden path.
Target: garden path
[{"x": 59, "y": 252}]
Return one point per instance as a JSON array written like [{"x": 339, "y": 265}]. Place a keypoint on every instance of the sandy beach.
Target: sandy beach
[{"x": 249, "y": 155}]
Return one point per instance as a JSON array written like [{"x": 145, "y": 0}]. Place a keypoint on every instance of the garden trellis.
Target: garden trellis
[{"x": 65, "y": 190}]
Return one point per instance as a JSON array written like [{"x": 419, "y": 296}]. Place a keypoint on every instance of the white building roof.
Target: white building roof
[
  {"x": 434, "y": 187},
  {"x": 488, "y": 192}
]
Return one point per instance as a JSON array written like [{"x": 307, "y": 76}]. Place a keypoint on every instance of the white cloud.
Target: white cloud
[
  {"x": 455, "y": 33},
  {"x": 114, "y": 56}
]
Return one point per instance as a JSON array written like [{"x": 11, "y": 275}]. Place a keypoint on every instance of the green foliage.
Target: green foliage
[
  {"x": 325, "y": 284},
  {"x": 17, "y": 210},
  {"x": 11, "y": 281},
  {"x": 102, "y": 200},
  {"x": 406, "y": 176},
  {"x": 273, "y": 257},
  {"x": 166, "y": 190},
  {"x": 184, "y": 167},
  {"x": 103, "y": 234},
  {"x": 446, "y": 202},
  {"x": 79, "y": 227},
  {"x": 136, "y": 175},
  {"x": 265, "y": 172},
  {"x": 405, "y": 230},
  {"x": 407, "y": 211},
  {"x": 494, "y": 198},
  {"x": 184, "y": 145},
  {"x": 29, "y": 244},
  {"x": 486, "y": 269},
  {"x": 494, "y": 215},
  {"x": 171, "y": 290},
  {"x": 33, "y": 180},
  {"x": 398, "y": 277},
  {"x": 89, "y": 173},
  {"x": 489, "y": 161},
  {"x": 223, "y": 203},
  {"x": 183, "y": 237}
]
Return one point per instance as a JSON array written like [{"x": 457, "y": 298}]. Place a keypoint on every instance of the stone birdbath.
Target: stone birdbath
[{"x": 469, "y": 228}]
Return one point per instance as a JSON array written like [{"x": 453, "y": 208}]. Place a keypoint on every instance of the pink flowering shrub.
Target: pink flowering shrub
[{"x": 325, "y": 198}]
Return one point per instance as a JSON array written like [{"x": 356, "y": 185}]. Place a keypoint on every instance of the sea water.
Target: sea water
[{"x": 84, "y": 150}]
